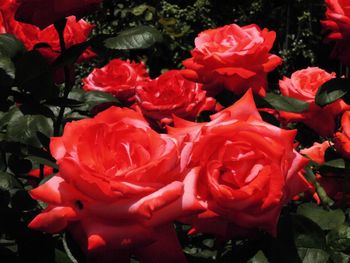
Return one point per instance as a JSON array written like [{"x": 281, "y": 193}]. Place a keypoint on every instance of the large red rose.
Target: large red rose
[
  {"x": 342, "y": 138},
  {"x": 43, "y": 13},
  {"x": 303, "y": 85},
  {"x": 248, "y": 169},
  {"x": 171, "y": 94},
  {"x": 233, "y": 57},
  {"x": 74, "y": 33},
  {"x": 120, "y": 186},
  {"x": 337, "y": 25},
  {"x": 119, "y": 78}
]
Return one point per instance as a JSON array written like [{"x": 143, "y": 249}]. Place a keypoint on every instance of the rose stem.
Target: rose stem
[{"x": 59, "y": 26}]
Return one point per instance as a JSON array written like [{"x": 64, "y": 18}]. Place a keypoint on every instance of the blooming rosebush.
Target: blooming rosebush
[{"x": 122, "y": 166}]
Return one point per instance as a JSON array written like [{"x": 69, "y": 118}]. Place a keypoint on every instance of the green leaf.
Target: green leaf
[
  {"x": 259, "y": 258},
  {"x": 24, "y": 129},
  {"x": 7, "y": 70},
  {"x": 10, "y": 46},
  {"x": 8, "y": 182},
  {"x": 339, "y": 238},
  {"x": 140, "y": 37},
  {"x": 39, "y": 160},
  {"x": 331, "y": 91},
  {"x": 336, "y": 163},
  {"x": 33, "y": 108},
  {"x": 61, "y": 257},
  {"x": 307, "y": 234},
  {"x": 10, "y": 116},
  {"x": 91, "y": 99},
  {"x": 327, "y": 220},
  {"x": 71, "y": 55},
  {"x": 139, "y": 10},
  {"x": 284, "y": 103},
  {"x": 313, "y": 255},
  {"x": 62, "y": 102},
  {"x": 339, "y": 257}
]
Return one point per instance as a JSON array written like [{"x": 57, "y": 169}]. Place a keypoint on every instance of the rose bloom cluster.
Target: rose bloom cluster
[
  {"x": 122, "y": 184},
  {"x": 127, "y": 174}
]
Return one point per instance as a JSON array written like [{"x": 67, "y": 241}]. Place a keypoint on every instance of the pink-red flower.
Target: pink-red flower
[
  {"x": 171, "y": 94},
  {"x": 75, "y": 32},
  {"x": 118, "y": 78},
  {"x": 303, "y": 85},
  {"x": 342, "y": 138},
  {"x": 120, "y": 186},
  {"x": 233, "y": 57},
  {"x": 248, "y": 169},
  {"x": 337, "y": 25},
  {"x": 316, "y": 152},
  {"x": 43, "y": 13}
]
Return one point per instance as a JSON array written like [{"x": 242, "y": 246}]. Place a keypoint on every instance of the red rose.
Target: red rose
[
  {"x": 248, "y": 169},
  {"x": 342, "y": 138},
  {"x": 171, "y": 94},
  {"x": 233, "y": 57},
  {"x": 28, "y": 34},
  {"x": 43, "y": 13},
  {"x": 118, "y": 77},
  {"x": 303, "y": 85},
  {"x": 337, "y": 25},
  {"x": 74, "y": 33},
  {"x": 120, "y": 184}
]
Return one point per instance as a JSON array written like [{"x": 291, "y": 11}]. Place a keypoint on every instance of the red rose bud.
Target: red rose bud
[{"x": 233, "y": 57}]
